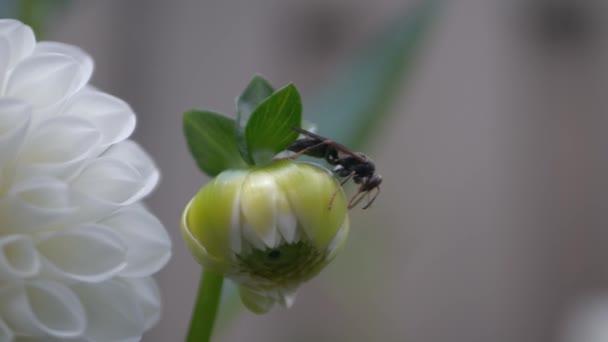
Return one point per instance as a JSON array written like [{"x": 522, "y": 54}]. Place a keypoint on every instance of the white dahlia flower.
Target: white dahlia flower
[{"x": 76, "y": 248}]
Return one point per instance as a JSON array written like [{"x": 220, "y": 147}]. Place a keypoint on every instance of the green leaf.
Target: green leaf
[
  {"x": 256, "y": 91},
  {"x": 349, "y": 109},
  {"x": 269, "y": 129},
  {"x": 211, "y": 138}
]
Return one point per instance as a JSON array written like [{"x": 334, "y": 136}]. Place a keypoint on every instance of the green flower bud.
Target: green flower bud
[{"x": 268, "y": 228}]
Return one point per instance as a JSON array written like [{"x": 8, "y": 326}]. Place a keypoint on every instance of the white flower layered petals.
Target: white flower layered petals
[
  {"x": 84, "y": 60},
  {"x": 148, "y": 299},
  {"x": 62, "y": 251},
  {"x": 34, "y": 205},
  {"x": 114, "y": 309},
  {"x": 42, "y": 308},
  {"x": 136, "y": 158},
  {"x": 14, "y": 121},
  {"x": 58, "y": 147},
  {"x": 112, "y": 117},
  {"x": 17, "y": 42},
  {"x": 76, "y": 248},
  {"x": 113, "y": 180},
  {"x": 18, "y": 257},
  {"x": 45, "y": 80},
  {"x": 148, "y": 244}
]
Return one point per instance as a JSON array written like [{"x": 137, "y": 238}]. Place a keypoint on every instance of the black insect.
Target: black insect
[{"x": 347, "y": 164}]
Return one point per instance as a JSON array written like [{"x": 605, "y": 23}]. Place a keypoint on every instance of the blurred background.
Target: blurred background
[{"x": 492, "y": 222}]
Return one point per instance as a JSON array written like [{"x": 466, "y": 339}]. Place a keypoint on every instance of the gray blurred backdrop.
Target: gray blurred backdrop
[{"x": 492, "y": 220}]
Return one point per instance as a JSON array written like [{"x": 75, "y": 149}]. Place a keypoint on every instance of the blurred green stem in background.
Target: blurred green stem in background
[
  {"x": 36, "y": 13},
  {"x": 27, "y": 14},
  {"x": 351, "y": 107},
  {"x": 205, "y": 308}
]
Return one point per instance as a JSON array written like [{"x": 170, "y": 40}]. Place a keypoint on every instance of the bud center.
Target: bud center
[{"x": 283, "y": 265}]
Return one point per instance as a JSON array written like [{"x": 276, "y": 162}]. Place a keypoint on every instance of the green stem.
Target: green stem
[
  {"x": 26, "y": 12},
  {"x": 205, "y": 309}
]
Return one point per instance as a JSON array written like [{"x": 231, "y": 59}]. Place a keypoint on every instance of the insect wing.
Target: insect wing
[{"x": 338, "y": 146}]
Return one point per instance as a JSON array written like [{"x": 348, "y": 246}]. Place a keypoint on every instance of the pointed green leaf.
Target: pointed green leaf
[
  {"x": 269, "y": 129},
  {"x": 256, "y": 91},
  {"x": 211, "y": 138}
]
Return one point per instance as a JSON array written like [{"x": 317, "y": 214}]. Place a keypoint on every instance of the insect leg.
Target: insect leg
[
  {"x": 333, "y": 197},
  {"x": 356, "y": 199},
  {"x": 369, "y": 203},
  {"x": 347, "y": 178},
  {"x": 331, "y": 201}
]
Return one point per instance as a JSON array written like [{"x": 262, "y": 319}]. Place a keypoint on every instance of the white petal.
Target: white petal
[
  {"x": 259, "y": 197},
  {"x": 112, "y": 309},
  {"x": 252, "y": 237},
  {"x": 337, "y": 243},
  {"x": 112, "y": 116},
  {"x": 287, "y": 297},
  {"x": 148, "y": 244},
  {"x": 4, "y": 56},
  {"x": 58, "y": 147},
  {"x": 130, "y": 153},
  {"x": 84, "y": 59},
  {"x": 43, "y": 308},
  {"x": 287, "y": 225},
  {"x": 89, "y": 253},
  {"x": 148, "y": 296},
  {"x": 20, "y": 38},
  {"x": 120, "y": 177},
  {"x": 18, "y": 257},
  {"x": 44, "y": 80},
  {"x": 14, "y": 122},
  {"x": 6, "y": 333},
  {"x": 109, "y": 183},
  {"x": 36, "y": 204},
  {"x": 236, "y": 238}
]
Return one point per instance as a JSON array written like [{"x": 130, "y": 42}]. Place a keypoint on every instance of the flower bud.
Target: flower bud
[{"x": 268, "y": 228}]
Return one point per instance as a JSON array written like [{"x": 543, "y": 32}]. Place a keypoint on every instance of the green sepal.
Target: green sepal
[
  {"x": 269, "y": 129},
  {"x": 211, "y": 139},
  {"x": 255, "y": 302}
]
